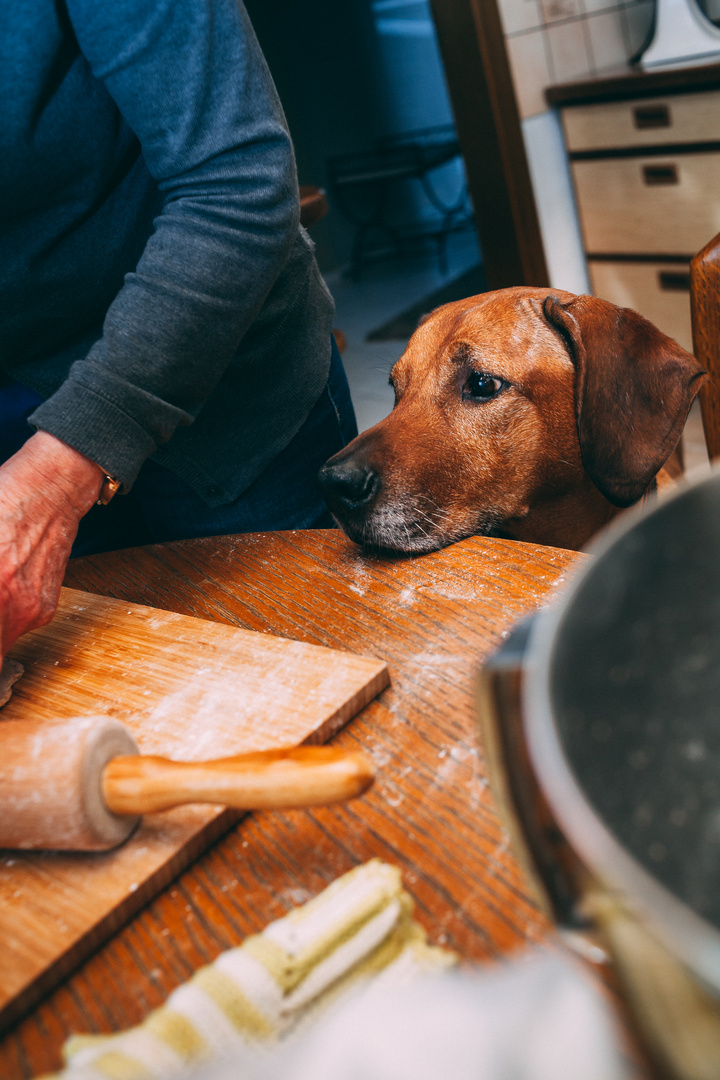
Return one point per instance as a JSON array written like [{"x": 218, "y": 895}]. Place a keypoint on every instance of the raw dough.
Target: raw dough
[{"x": 9, "y": 674}]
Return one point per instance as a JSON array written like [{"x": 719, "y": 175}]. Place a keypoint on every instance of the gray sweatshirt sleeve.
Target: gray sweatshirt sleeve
[{"x": 189, "y": 79}]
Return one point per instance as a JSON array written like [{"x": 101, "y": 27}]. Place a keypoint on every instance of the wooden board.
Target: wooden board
[{"x": 188, "y": 689}]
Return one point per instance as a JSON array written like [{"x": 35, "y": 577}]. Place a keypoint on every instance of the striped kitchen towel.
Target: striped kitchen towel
[{"x": 359, "y": 930}]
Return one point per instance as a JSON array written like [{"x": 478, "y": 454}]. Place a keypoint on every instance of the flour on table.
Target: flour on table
[{"x": 9, "y": 673}]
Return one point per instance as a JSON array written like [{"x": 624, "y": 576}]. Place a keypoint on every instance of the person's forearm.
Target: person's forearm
[
  {"x": 194, "y": 89},
  {"x": 50, "y": 469},
  {"x": 45, "y": 490}
]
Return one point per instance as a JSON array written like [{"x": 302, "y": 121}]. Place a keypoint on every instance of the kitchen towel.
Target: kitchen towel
[{"x": 360, "y": 929}]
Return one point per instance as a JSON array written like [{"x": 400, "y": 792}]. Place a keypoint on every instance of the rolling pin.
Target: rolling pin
[{"x": 80, "y": 784}]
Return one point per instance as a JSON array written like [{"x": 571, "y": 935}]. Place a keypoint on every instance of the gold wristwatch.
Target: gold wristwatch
[{"x": 109, "y": 488}]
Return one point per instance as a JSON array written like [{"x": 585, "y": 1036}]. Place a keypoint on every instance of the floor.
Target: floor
[
  {"x": 387, "y": 288},
  {"x": 384, "y": 290}
]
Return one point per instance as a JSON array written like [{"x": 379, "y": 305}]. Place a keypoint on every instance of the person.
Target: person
[{"x": 166, "y": 333}]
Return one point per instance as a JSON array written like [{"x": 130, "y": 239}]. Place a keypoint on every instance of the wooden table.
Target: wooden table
[{"x": 433, "y": 619}]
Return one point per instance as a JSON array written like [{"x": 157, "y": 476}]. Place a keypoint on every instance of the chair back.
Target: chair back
[{"x": 705, "y": 308}]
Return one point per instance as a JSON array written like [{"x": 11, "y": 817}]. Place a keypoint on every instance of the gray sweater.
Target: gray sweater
[{"x": 155, "y": 285}]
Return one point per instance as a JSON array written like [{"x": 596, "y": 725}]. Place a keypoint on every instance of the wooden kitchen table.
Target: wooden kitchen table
[{"x": 433, "y": 619}]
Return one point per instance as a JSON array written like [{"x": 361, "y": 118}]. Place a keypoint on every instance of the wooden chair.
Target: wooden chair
[
  {"x": 313, "y": 205},
  {"x": 705, "y": 308}
]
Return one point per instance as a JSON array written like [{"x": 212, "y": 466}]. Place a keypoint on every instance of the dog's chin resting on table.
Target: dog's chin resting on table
[{"x": 527, "y": 413}]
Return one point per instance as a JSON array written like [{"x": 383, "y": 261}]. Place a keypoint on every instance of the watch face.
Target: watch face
[{"x": 109, "y": 488}]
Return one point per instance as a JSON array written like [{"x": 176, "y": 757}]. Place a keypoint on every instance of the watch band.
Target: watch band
[{"x": 110, "y": 486}]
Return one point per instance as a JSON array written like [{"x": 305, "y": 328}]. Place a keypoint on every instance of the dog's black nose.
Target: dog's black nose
[{"x": 347, "y": 485}]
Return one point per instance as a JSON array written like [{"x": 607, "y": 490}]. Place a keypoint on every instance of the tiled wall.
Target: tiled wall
[{"x": 555, "y": 41}]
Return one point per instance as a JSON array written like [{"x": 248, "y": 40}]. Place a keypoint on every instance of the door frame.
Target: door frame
[{"x": 482, "y": 93}]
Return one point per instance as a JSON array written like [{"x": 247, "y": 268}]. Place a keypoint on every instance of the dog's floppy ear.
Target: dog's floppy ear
[{"x": 633, "y": 389}]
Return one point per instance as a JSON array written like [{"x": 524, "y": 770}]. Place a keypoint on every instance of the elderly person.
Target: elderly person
[{"x": 165, "y": 329}]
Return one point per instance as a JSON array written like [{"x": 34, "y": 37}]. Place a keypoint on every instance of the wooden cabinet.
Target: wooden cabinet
[
  {"x": 659, "y": 291},
  {"x": 673, "y": 118},
  {"x": 642, "y": 205},
  {"x": 644, "y": 152}
]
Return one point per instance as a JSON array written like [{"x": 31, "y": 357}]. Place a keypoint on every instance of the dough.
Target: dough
[{"x": 9, "y": 674}]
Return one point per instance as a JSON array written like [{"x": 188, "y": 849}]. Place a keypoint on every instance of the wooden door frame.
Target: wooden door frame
[{"x": 472, "y": 45}]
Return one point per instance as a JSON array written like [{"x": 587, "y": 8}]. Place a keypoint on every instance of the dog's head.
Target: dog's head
[{"x": 510, "y": 406}]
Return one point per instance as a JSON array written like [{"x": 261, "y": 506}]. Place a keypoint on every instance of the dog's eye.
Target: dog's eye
[{"x": 481, "y": 386}]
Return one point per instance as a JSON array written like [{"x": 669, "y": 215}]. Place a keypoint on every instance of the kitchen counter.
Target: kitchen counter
[{"x": 634, "y": 82}]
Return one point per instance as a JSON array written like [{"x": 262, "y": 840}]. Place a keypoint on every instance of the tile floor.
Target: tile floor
[{"x": 384, "y": 290}]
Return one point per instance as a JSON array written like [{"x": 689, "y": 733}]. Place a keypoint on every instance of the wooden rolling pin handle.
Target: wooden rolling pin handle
[{"x": 268, "y": 779}]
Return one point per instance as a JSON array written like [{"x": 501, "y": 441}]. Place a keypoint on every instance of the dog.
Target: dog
[{"x": 532, "y": 414}]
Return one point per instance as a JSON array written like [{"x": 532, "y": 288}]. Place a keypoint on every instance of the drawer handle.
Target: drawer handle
[
  {"x": 674, "y": 280},
  {"x": 651, "y": 116},
  {"x": 654, "y": 175}
]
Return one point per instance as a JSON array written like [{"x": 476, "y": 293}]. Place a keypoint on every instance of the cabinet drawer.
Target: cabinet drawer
[
  {"x": 679, "y": 118},
  {"x": 653, "y": 205},
  {"x": 659, "y": 291}
]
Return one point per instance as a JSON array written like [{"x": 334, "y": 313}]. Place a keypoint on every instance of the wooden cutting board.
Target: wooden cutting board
[{"x": 188, "y": 689}]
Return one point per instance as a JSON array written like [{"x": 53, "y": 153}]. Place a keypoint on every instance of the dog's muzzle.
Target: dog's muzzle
[{"x": 377, "y": 511}]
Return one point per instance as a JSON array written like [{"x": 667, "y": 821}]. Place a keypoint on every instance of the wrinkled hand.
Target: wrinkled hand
[{"x": 45, "y": 489}]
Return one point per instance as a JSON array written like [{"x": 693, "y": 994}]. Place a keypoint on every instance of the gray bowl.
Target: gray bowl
[{"x": 606, "y": 761}]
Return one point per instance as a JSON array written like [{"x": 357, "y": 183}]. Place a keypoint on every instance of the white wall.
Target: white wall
[{"x": 555, "y": 202}]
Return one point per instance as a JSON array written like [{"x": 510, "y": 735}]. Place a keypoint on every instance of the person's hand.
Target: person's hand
[{"x": 45, "y": 489}]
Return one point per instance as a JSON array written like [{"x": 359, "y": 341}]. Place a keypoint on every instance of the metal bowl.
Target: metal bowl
[{"x": 606, "y": 759}]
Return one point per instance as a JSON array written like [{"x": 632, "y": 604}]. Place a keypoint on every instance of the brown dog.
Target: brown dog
[{"x": 528, "y": 413}]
